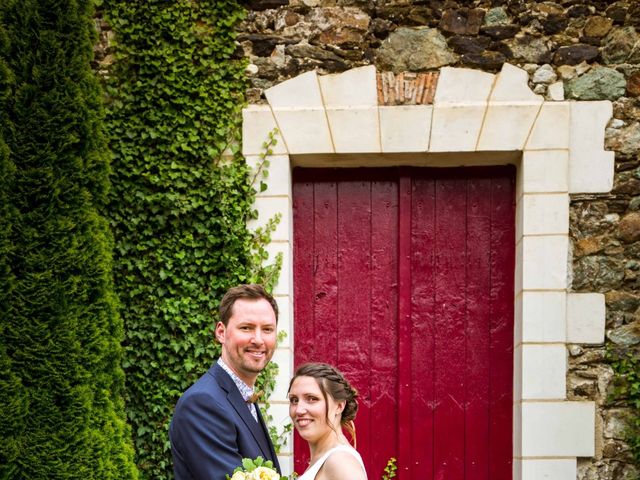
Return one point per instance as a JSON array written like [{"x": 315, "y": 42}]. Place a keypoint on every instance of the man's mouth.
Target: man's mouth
[{"x": 258, "y": 355}]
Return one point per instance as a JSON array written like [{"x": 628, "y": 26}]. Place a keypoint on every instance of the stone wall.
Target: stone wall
[{"x": 572, "y": 49}]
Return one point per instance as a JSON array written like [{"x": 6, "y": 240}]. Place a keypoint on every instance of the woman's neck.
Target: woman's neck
[{"x": 323, "y": 445}]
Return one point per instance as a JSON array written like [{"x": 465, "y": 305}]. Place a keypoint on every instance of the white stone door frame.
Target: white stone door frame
[{"x": 558, "y": 148}]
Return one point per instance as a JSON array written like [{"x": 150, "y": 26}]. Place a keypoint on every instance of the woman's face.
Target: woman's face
[{"x": 308, "y": 410}]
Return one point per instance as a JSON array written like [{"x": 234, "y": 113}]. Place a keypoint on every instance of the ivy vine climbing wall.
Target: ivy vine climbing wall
[{"x": 181, "y": 197}]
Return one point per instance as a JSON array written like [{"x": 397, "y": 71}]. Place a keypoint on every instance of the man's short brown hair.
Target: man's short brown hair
[{"x": 244, "y": 292}]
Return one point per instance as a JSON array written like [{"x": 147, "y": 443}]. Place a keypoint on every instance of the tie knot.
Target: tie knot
[{"x": 255, "y": 396}]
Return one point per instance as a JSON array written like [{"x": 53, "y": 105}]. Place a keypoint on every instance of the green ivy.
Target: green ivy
[
  {"x": 390, "y": 469},
  {"x": 626, "y": 389},
  {"x": 181, "y": 196},
  {"x": 61, "y": 383}
]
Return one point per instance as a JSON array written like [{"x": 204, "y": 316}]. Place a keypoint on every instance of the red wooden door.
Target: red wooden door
[{"x": 404, "y": 280}]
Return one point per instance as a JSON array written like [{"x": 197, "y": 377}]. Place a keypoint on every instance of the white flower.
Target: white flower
[
  {"x": 240, "y": 476},
  {"x": 263, "y": 473}
]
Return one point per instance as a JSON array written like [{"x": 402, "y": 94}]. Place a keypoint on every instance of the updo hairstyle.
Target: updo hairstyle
[{"x": 332, "y": 381}]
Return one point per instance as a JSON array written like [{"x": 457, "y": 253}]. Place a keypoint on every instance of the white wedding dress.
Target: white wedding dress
[{"x": 312, "y": 471}]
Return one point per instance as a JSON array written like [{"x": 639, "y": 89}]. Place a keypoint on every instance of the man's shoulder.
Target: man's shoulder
[{"x": 206, "y": 386}]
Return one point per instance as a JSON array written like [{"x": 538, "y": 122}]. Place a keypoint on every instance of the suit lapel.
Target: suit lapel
[
  {"x": 272, "y": 451},
  {"x": 240, "y": 406}
]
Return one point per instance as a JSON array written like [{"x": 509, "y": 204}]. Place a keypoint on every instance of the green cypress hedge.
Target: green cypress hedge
[
  {"x": 61, "y": 408},
  {"x": 178, "y": 206},
  {"x": 13, "y": 402}
]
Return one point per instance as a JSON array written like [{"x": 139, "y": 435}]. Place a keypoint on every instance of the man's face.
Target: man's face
[{"x": 249, "y": 339}]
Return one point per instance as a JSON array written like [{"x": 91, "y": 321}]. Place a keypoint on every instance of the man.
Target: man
[{"x": 215, "y": 424}]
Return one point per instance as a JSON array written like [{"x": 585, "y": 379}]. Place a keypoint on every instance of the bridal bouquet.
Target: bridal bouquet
[{"x": 257, "y": 469}]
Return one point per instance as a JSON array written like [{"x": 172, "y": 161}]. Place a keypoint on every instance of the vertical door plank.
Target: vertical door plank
[
  {"x": 422, "y": 324},
  {"x": 303, "y": 260},
  {"x": 384, "y": 324},
  {"x": 325, "y": 234},
  {"x": 478, "y": 323},
  {"x": 502, "y": 291},
  {"x": 303, "y": 271},
  {"x": 405, "y": 414},
  {"x": 450, "y": 327},
  {"x": 354, "y": 294}
]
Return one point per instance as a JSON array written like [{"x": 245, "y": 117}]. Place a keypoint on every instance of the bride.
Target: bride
[{"x": 321, "y": 403}]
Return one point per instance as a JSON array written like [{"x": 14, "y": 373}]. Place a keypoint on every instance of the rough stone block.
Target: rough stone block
[
  {"x": 555, "y": 92},
  {"x": 428, "y": 50},
  {"x": 462, "y": 21}
]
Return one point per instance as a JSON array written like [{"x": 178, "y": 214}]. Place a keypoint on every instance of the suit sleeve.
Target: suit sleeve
[{"x": 203, "y": 440}]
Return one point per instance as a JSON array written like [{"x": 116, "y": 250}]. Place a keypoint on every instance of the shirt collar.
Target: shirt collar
[{"x": 245, "y": 390}]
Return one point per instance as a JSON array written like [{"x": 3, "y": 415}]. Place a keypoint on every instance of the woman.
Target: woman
[{"x": 321, "y": 403}]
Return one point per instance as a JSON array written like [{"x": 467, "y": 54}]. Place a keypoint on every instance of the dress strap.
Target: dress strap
[{"x": 313, "y": 470}]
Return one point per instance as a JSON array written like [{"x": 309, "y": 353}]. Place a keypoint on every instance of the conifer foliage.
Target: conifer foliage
[{"x": 61, "y": 412}]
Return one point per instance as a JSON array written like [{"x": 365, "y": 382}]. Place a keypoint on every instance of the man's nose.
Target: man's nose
[{"x": 257, "y": 337}]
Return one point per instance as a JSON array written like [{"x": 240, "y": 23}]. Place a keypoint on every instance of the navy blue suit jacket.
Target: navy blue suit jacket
[{"x": 212, "y": 430}]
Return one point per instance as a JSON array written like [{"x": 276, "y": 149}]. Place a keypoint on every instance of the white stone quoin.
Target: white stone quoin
[{"x": 560, "y": 151}]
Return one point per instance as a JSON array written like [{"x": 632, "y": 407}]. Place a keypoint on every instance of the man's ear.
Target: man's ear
[{"x": 220, "y": 332}]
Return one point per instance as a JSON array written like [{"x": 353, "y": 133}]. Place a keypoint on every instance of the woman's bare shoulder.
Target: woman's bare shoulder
[{"x": 341, "y": 465}]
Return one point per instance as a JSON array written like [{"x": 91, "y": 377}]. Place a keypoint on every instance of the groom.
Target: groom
[{"x": 216, "y": 423}]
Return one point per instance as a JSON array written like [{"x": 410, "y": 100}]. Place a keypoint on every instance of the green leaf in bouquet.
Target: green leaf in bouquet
[{"x": 248, "y": 464}]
